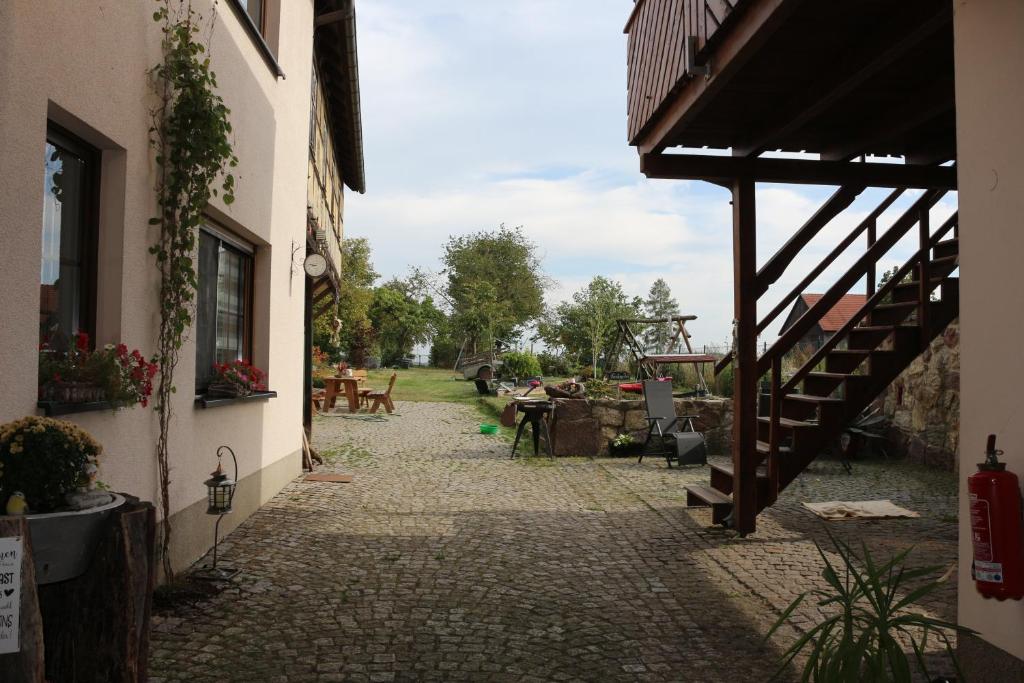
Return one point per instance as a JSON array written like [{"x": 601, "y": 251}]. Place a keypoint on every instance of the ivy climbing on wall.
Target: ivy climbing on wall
[{"x": 191, "y": 138}]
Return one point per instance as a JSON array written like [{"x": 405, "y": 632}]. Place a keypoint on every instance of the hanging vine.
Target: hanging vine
[{"x": 191, "y": 139}]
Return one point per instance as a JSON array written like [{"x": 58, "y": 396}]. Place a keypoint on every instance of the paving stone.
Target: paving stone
[{"x": 445, "y": 560}]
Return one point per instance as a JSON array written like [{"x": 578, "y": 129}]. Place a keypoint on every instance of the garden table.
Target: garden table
[{"x": 336, "y": 385}]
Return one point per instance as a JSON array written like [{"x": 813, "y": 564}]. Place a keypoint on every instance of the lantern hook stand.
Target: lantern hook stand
[{"x": 220, "y": 493}]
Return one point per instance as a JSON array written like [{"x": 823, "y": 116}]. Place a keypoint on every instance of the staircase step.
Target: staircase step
[
  {"x": 908, "y": 291},
  {"x": 824, "y": 383},
  {"x": 705, "y": 496},
  {"x": 845, "y": 360},
  {"x": 892, "y": 314},
  {"x": 728, "y": 469},
  {"x": 809, "y": 406},
  {"x": 790, "y": 424},
  {"x": 813, "y": 399},
  {"x": 762, "y": 448},
  {"x": 946, "y": 248},
  {"x": 868, "y": 336}
]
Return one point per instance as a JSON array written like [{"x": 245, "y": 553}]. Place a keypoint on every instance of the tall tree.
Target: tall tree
[
  {"x": 585, "y": 326},
  {"x": 402, "y": 317},
  {"x": 354, "y": 299},
  {"x": 659, "y": 304},
  {"x": 494, "y": 284}
]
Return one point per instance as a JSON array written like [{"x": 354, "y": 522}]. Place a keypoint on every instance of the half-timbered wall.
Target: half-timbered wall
[{"x": 324, "y": 192}]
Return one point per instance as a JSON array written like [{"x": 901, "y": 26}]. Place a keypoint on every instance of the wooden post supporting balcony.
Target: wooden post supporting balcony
[
  {"x": 744, "y": 442},
  {"x": 924, "y": 275}
]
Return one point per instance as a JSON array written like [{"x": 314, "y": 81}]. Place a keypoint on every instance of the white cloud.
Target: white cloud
[{"x": 481, "y": 113}]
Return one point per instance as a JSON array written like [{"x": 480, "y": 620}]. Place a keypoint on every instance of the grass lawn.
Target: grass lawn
[
  {"x": 425, "y": 384},
  {"x": 437, "y": 385}
]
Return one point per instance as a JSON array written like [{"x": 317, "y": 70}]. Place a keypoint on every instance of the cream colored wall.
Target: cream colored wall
[
  {"x": 83, "y": 65},
  {"x": 989, "y": 49}
]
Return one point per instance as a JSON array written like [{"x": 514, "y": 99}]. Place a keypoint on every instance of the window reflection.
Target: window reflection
[
  {"x": 64, "y": 302},
  {"x": 254, "y": 8}
]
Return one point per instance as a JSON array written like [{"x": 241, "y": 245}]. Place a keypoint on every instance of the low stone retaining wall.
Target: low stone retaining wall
[{"x": 585, "y": 426}]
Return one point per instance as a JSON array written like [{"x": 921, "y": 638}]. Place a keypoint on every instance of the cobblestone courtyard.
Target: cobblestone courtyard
[{"x": 445, "y": 560}]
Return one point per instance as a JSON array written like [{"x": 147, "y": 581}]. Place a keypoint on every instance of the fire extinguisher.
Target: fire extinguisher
[{"x": 997, "y": 529}]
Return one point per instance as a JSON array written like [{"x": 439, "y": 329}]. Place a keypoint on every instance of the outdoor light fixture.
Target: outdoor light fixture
[{"x": 220, "y": 491}]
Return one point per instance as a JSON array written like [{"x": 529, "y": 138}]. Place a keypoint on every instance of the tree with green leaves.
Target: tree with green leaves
[
  {"x": 585, "y": 326},
  {"x": 354, "y": 299},
  {"x": 402, "y": 317},
  {"x": 659, "y": 304},
  {"x": 495, "y": 285}
]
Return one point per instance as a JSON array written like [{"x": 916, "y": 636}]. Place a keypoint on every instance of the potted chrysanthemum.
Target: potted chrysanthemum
[{"x": 48, "y": 472}]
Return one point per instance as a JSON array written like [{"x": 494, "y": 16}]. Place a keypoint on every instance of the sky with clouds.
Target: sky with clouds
[{"x": 481, "y": 113}]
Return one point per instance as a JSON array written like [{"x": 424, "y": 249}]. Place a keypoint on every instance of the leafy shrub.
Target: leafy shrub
[
  {"x": 520, "y": 364},
  {"x": 553, "y": 365},
  {"x": 443, "y": 352},
  {"x": 598, "y": 388},
  {"x": 723, "y": 382},
  {"x": 45, "y": 459}
]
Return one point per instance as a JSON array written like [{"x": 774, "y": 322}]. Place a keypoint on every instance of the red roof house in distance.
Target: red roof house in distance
[{"x": 830, "y": 322}]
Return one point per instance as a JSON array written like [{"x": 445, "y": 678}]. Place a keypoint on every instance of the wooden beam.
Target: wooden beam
[
  {"x": 744, "y": 441},
  {"x": 758, "y": 22},
  {"x": 869, "y": 59},
  {"x": 721, "y": 169}
]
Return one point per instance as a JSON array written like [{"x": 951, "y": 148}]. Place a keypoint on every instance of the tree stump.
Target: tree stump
[
  {"x": 94, "y": 628},
  {"x": 27, "y": 664}
]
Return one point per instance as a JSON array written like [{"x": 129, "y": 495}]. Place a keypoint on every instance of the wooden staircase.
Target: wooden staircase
[{"x": 811, "y": 407}]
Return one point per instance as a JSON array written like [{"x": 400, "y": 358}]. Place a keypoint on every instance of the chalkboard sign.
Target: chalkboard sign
[
  {"x": 618, "y": 376},
  {"x": 10, "y": 593}
]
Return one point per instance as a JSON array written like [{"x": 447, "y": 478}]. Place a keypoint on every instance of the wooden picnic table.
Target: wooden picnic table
[{"x": 333, "y": 386}]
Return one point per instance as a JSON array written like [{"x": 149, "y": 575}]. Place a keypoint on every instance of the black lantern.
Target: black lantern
[
  {"x": 220, "y": 491},
  {"x": 220, "y": 488}
]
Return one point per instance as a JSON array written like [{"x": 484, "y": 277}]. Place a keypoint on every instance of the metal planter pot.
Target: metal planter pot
[{"x": 63, "y": 543}]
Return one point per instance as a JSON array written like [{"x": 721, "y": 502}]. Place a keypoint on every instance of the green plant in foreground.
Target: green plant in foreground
[{"x": 862, "y": 641}]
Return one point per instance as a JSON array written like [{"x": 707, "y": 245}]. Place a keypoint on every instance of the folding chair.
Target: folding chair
[{"x": 665, "y": 436}]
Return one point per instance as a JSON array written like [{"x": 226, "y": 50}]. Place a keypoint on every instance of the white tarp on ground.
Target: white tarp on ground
[{"x": 863, "y": 509}]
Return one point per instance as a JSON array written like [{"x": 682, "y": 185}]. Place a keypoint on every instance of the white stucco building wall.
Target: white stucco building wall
[{"x": 83, "y": 66}]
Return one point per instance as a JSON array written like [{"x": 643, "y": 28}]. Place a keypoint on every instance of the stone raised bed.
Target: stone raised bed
[{"x": 585, "y": 426}]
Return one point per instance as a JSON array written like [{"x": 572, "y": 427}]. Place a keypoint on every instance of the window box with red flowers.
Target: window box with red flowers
[
  {"x": 235, "y": 381},
  {"x": 73, "y": 378}
]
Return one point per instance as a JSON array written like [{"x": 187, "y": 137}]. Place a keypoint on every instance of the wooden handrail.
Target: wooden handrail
[
  {"x": 777, "y": 264},
  {"x": 818, "y": 270},
  {"x": 832, "y": 341},
  {"x": 803, "y": 324},
  {"x": 828, "y": 260}
]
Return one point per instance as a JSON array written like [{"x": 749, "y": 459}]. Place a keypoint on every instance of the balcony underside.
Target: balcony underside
[{"x": 841, "y": 78}]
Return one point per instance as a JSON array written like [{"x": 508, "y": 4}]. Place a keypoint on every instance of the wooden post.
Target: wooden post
[
  {"x": 775, "y": 435},
  {"x": 96, "y": 626},
  {"x": 872, "y": 275},
  {"x": 744, "y": 454},
  {"x": 924, "y": 275}
]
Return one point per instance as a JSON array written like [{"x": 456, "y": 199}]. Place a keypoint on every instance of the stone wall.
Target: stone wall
[
  {"x": 585, "y": 426},
  {"x": 924, "y": 404}
]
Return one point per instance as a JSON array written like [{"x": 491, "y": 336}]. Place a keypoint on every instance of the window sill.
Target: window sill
[
  {"x": 218, "y": 401},
  {"x": 257, "y": 38},
  {"x": 55, "y": 408}
]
